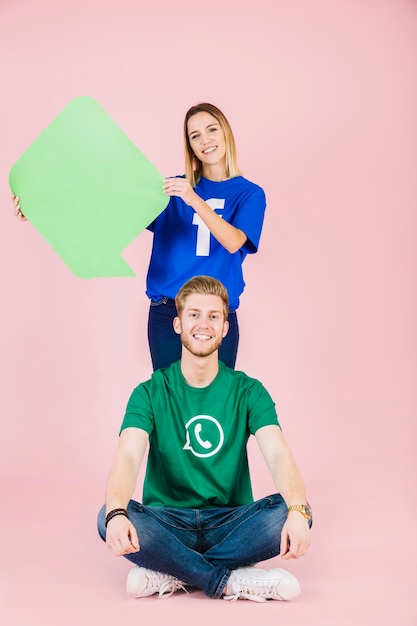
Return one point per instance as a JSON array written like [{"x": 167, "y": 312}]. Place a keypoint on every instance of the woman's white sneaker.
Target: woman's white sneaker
[
  {"x": 259, "y": 585},
  {"x": 142, "y": 582}
]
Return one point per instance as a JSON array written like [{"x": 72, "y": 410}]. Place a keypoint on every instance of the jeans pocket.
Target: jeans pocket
[{"x": 163, "y": 300}]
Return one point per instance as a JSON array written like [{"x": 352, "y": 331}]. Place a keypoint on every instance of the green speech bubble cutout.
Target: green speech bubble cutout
[{"x": 87, "y": 189}]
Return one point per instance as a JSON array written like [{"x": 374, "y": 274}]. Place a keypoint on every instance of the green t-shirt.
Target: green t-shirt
[{"x": 197, "y": 436}]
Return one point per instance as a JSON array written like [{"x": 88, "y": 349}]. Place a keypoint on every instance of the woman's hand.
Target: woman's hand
[
  {"x": 17, "y": 209},
  {"x": 226, "y": 234},
  {"x": 178, "y": 186}
]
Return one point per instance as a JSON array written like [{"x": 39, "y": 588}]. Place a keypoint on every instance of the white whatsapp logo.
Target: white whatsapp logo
[{"x": 204, "y": 435}]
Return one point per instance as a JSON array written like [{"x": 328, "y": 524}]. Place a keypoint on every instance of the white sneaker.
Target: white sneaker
[
  {"x": 254, "y": 583},
  {"x": 142, "y": 582}
]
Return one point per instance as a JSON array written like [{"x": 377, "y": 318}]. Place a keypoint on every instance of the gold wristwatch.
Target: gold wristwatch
[{"x": 304, "y": 509}]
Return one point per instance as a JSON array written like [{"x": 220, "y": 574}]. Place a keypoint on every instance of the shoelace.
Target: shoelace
[
  {"x": 245, "y": 594},
  {"x": 260, "y": 595},
  {"x": 168, "y": 587}
]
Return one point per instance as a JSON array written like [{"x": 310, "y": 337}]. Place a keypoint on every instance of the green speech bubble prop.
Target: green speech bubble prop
[{"x": 87, "y": 189}]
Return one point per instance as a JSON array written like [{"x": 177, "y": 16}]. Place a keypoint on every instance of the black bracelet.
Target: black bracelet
[{"x": 115, "y": 512}]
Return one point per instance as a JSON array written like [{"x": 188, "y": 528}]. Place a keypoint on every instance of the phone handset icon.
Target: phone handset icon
[{"x": 203, "y": 443}]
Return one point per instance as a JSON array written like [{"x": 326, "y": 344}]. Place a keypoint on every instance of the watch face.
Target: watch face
[{"x": 307, "y": 510}]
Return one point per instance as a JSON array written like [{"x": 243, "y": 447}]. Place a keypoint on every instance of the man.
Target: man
[{"x": 198, "y": 525}]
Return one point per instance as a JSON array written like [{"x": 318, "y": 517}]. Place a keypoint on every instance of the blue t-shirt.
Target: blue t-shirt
[{"x": 183, "y": 246}]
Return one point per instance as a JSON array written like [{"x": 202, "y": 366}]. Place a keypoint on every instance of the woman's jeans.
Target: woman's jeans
[
  {"x": 200, "y": 547},
  {"x": 165, "y": 344}
]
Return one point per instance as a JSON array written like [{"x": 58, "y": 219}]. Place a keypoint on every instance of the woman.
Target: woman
[{"x": 213, "y": 220}]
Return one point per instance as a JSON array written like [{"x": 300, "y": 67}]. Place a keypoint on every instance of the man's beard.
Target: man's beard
[{"x": 212, "y": 347}]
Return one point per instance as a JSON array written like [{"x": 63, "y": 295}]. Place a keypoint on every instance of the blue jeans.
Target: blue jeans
[
  {"x": 201, "y": 547},
  {"x": 165, "y": 344}
]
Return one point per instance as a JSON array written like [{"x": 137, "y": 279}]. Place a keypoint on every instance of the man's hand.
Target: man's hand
[
  {"x": 17, "y": 210},
  {"x": 295, "y": 536},
  {"x": 121, "y": 536}
]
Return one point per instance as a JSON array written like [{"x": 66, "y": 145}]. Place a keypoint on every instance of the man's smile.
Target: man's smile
[{"x": 202, "y": 337}]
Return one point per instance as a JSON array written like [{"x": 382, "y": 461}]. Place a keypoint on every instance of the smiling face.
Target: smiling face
[
  {"x": 207, "y": 140},
  {"x": 202, "y": 324}
]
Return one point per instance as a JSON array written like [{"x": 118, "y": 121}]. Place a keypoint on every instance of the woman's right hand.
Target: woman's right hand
[{"x": 17, "y": 209}]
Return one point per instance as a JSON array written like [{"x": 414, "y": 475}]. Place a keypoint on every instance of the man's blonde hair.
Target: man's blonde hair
[
  {"x": 193, "y": 166},
  {"x": 204, "y": 285}
]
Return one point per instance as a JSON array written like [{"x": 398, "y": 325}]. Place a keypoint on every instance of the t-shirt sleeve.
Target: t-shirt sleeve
[
  {"x": 250, "y": 217},
  {"x": 261, "y": 408},
  {"x": 151, "y": 227},
  {"x": 139, "y": 410}
]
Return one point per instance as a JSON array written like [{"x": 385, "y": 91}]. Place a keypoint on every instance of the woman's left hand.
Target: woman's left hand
[{"x": 178, "y": 186}]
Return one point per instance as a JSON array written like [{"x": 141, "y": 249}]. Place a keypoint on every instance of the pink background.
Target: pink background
[{"x": 322, "y": 97}]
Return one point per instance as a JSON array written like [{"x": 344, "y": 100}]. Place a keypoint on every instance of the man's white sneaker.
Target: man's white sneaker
[
  {"x": 259, "y": 585},
  {"x": 142, "y": 582}
]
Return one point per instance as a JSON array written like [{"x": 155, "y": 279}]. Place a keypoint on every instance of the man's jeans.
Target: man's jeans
[
  {"x": 200, "y": 547},
  {"x": 165, "y": 344}
]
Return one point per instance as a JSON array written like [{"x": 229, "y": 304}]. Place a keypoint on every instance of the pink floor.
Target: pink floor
[{"x": 360, "y": 570}]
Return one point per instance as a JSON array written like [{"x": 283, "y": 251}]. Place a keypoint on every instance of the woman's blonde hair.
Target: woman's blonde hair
[
  {"x": 193, "y": 165},
  {"x": 205, "y": 285}
]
